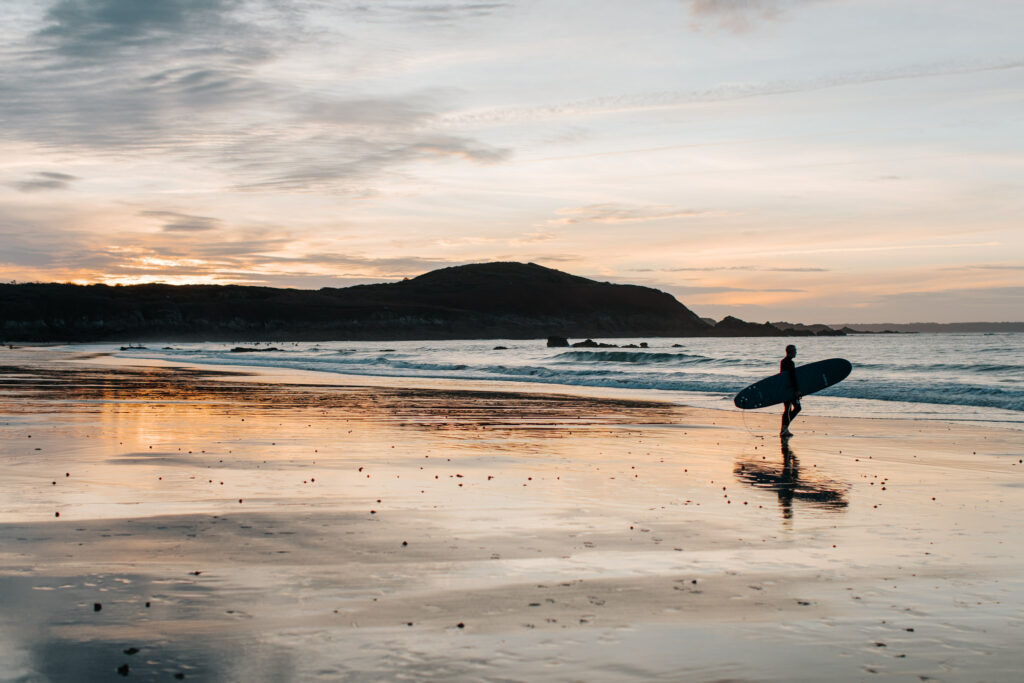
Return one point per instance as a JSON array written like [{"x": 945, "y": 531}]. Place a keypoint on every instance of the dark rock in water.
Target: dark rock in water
[
  {"x": 124, "y": 669},
  {"x": 250, "y": 349},
  {"x": 96, "y": 607},
  {"x": 643, "y": 345},
  {"x": 133, "y": 348},
  {"x": 591, "y": 344},
  {"x": 132, "y": 651},
  {"x": 501, "y": 348},
  {"x": 630, "y": 346},
  {"x": 677, "y": 346},
  {"x": 558, "y": 341}
]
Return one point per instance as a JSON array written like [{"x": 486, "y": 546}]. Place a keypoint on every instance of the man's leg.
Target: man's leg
[{"x": 794, "y": 409}]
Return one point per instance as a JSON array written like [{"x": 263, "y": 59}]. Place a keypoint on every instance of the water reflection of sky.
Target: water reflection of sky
[
  {"x": 793, "y": 486},
  {"x": 157, "y": 628},
  {"x": 286, "y": 575}
]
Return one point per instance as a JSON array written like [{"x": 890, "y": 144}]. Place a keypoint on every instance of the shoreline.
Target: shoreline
[
  {"x": 1014, "y": 423},
  {"x": 572, "y": 537},
  {"x": 1011, "y": 421}
]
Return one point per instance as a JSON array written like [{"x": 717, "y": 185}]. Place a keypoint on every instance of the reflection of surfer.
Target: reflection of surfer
[
  {"x": 792, "y": 486},
  {"x": 788, "y": 479},
  {"x": 790, "y": 408}
]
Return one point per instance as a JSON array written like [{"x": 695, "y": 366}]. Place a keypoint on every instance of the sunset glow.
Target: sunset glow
[{"x": 805, "y": 160}]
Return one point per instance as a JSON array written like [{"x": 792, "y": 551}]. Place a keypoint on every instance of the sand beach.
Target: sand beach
[{"x": 169, "y": 522}]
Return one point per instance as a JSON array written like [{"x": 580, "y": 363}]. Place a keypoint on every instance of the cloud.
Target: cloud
[
  {"x": 616, "y": 213},
  {"x": 182, "y": 222},
  {"x": 951, "y": 305},
  {"x": 740, "y": 15},
  {"x": 684, "y": 290},
  {"x": 45, "y": 180},
  {"x": 186, "y": 254},
  {"x": 429, "y": 12},
  {"x": 384, "y": 267},
  {"x": 347, "y": 163},
  {"x": 985, "y": 267},
  {"x": 979, "y": 296},
  {"x": 759, "y": 269},
  {"x": 546, "y": 258},
  {"x": 83, "y": 29},
  {"x": 117, "y": 75},
  {"x": 202, "y": 83},
  {"x": 533, "y": 237},
  {"x": 722, "y": 92},
  {"x": 390, "y": 112}
]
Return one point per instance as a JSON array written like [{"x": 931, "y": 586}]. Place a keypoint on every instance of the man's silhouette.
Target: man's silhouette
[{"x": 790, "y": 409}]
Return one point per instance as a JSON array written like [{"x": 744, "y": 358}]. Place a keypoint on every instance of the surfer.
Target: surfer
[{"x": 790, "y": 409}]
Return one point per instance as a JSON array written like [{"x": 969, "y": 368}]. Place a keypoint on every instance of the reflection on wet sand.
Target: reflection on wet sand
[
  {"x": 22, "y": 388},
  {"x": 175, "y": 523},
  {"x": 786, "y": 480}
]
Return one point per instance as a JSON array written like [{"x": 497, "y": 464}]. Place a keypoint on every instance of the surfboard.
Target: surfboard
[{"x": 778, "y": 389}]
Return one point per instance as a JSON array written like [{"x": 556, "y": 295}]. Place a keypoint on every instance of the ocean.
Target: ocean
[{"x": 964, "y": 377}]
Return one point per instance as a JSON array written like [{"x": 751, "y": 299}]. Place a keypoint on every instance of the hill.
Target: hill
[{"x": 486, "y": 300}]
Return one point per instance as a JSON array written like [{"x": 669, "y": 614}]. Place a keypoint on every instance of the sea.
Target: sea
[{"x": 971, "y": 377}]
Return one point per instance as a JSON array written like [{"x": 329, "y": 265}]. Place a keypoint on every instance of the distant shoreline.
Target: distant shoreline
[{"x": 930, "y": 328}]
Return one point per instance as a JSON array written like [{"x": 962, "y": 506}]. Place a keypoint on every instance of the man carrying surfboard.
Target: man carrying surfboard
[
  {"x": 792, "y": 383},
  {"x": 790, "y": 408}
]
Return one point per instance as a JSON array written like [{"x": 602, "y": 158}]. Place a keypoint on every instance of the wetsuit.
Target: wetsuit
[{"x": 791, "y": 408}]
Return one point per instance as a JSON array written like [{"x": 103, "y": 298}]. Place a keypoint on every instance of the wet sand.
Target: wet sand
[{"x": 188, "y": 522}]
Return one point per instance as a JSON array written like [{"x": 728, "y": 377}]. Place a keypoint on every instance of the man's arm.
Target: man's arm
[{"x": 791, "y": 370}]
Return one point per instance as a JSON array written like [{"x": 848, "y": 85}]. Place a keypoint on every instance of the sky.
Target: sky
[{"x": 800, "y": 160}]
